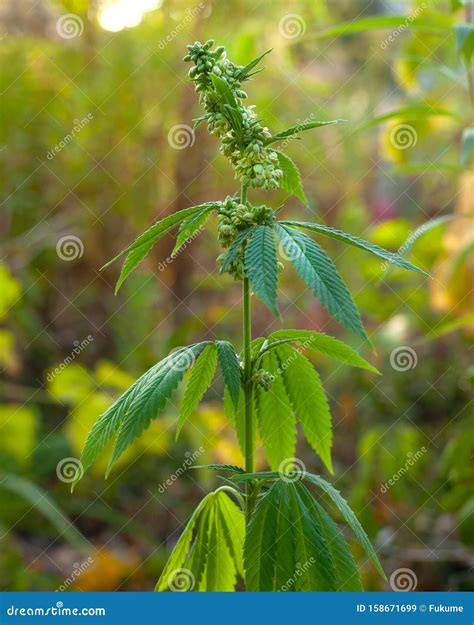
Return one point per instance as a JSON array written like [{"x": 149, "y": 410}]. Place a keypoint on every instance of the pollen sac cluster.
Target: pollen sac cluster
[
  {"x": 263, "y": 379},
  {"x": 233, "y": 218},
  {"x": 243, "y": 137},
  {"x": 207, "y": 62}
]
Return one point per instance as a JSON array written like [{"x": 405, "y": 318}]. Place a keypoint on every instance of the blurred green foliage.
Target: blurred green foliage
[{"x": 118, "y": 172}]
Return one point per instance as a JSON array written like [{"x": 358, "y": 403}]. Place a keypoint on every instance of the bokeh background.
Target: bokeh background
[{"x": 97, "y": 144}]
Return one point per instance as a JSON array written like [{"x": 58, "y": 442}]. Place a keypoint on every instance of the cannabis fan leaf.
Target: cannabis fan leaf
[
  {"x": 277, "y": 423},
  {"x": 317, "y": 270},
  {"x": 209, "y": 553},
  {"x": 137, "y": 250},
  {"x": 293, "y": 544},
  {"x": 261, "y": 266},
  {"x": 146, "y": 399}
]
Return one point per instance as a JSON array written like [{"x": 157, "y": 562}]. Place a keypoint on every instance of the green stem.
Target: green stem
[
  {"x": 249, "y": 433},
  {"x": 247, "y": 332}
]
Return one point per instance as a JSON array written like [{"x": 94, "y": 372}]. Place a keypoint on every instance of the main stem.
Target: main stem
[
  {"x": 247, "y": 337},
  {"x": 247, "y": 331}
]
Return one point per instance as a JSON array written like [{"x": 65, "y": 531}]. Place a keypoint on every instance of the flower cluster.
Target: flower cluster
[
  {"x": 233, "y": 218},
  {"x": 243, "y": 137},
  {"x": 207, "y": 62},
  {"x": 263, "y": 379}
]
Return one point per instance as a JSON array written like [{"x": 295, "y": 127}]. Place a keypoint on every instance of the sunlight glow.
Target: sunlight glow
[{"x": 115, "y": 15}]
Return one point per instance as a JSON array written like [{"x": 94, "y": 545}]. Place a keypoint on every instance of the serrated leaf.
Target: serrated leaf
[
  {"x": 221, "y": 568},
  {"x": 201, "y": 377},
  {"x": 223, "y": 90},
  {"x": 311, "y": 547},
  {"x": 209, "y": 560},
  {"x": 234, "y": 117},
  {"x": 259, "y": 546},
  {"x": 150, "y": 398},
  {"x": 256, "y": 475},
  {"x": 235, "y": 415},
  {"x": 261, "y": 266},
  {"x": 134, "y": 409},
  {"x": 277, "y": 424},
  {"x": 244, "y": 73},
  {"x": 347, "y": 573},
  {"x": 179, "y": 553},
  {"x": 317, "y": 270},
  {"x": 294, "y": 130},
  {"x": 236, "y": 418},
  {"x": 137, "y": 250},
  {"x": 235, "y": 247},
  {"x": 282, "y": 534},
  {"x": 233, "y": 468},
  {"x": 286, "y": 562},
  {"x": 229, "y": 364},
  {"x": 229, "y": 105},
  {"x": 348, "y": 516},
  {"x": 291, "y": 180},
  {"x": 196, "y": 563},
  {"x": 200, "y": 120},
  {"x": 189, "y": 228},
  {"x": 233, "y": 526},
  {"x": 308, "y": 399},
  {"x": 325, "y": 344},
  {"x": 336, "y": 497},
  {"x": 339, "y": 235}
]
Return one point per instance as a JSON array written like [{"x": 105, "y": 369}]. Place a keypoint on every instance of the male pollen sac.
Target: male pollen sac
[
  {"x": 264, "y": 379},
  {"x": 233, "y": 218},
  {"x": 242, "y": 135}
]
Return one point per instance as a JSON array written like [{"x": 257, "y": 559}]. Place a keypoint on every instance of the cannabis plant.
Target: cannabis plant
[{"x": 273, "y": 529}]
